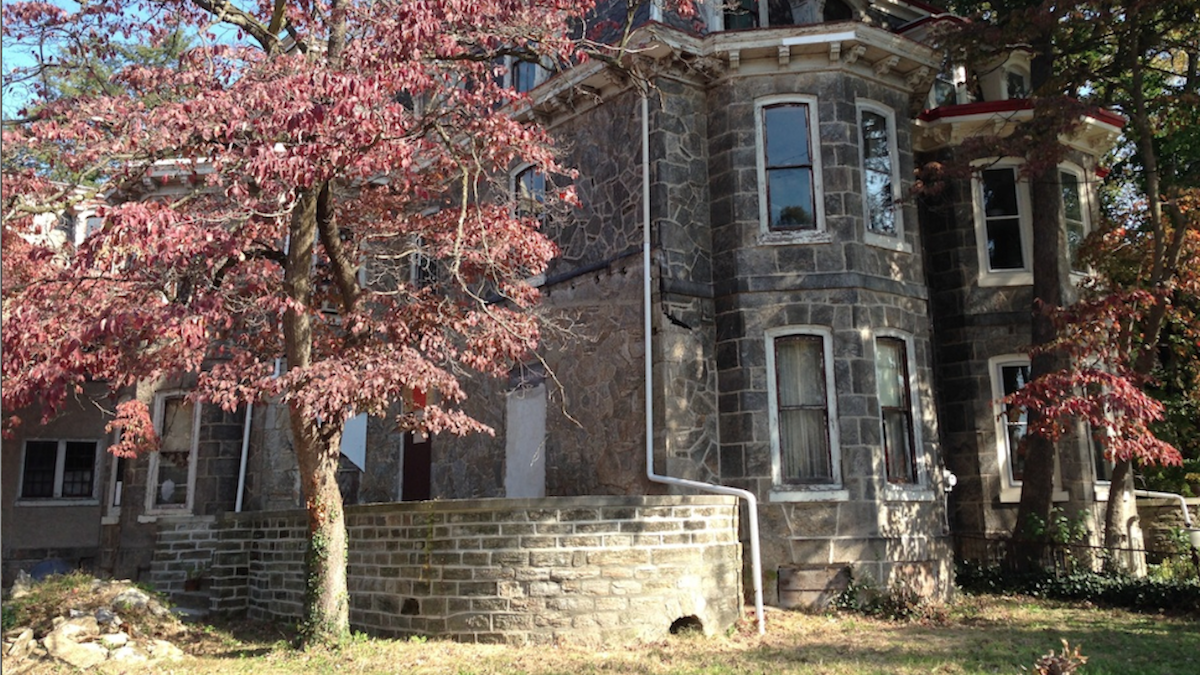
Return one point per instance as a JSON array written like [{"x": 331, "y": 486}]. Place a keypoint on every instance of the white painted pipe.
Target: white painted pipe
[
  {"x": 241, "y": 487},
  {"x": 751, "y": 500},
  {"x": 1187, "y": 517}
]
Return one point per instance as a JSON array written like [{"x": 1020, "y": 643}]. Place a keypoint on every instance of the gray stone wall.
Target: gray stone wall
[
  {"x": 974, "y": 324},
  {"x": 582, "y": 570},
  {"x": 682, "y": 311},
  {"x": 853, "y": 289}
]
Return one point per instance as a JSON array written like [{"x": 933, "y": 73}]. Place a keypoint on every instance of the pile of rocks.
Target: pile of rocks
[{"x": 116, "y": 624}]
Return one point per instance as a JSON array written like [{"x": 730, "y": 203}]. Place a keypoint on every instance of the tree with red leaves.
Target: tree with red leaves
[{"x": 266, "y": 198}]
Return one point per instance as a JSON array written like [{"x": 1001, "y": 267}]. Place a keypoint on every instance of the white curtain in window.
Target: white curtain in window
[{"x": 803, "y": 417}]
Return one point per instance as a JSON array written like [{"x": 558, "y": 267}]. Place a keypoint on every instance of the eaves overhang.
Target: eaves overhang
[{"x": 951, "y": 125}]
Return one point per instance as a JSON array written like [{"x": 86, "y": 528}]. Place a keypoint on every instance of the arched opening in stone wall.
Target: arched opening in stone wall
[{"x": 687, "y": 624}]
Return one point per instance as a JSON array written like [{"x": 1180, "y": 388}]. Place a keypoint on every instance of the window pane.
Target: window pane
[
  {"x": 790, "y": 199},
  {"x": 897, "y": 443},
  {"x": 524, "y": 75},
  {"x": 804, "y": 446},
  {"x": 40, "y": 457},
  {"x": 174, "y": 455},
  {"x": 79, "y": 468},
  {"x": 1018, "y": 86},
  {"x": 531, "y": 192},
  {"x": 877, "y": 170},
  {"x": 803, "y": 415},
  {"x": 1015, "y": 377},
  {"x": 741, "y": 14},
  {"x": 1004, "y": 244},
  {"x": 1000, "y": 192},
  {"x": 1072, "y": 217},
  {"x": 889, "y": 372},
  {"x": 785, "y": 130},
  {"x": 800, "y": 364}
]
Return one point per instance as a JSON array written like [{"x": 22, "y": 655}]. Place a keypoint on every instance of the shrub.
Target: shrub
[{"x": 1138, "y": 594}]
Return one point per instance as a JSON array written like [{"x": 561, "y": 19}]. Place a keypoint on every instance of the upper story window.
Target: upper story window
[
  {"x": 172, "y": 474},
  {"x": 803, "y": 414},
  {"x": 1005, "y": 231},
  {"x": 896, "y": 409},
  {"x": 1002, "y": 226},
  {"x": 789, "y": 169},
  {"x": 1016, "y": 83},
  {"x": 58, "y": 469},
  {"x": 740, "y": 14},
  {"x": 881, "y": 173},
  {"x": 529, "y": 192},
  {"x": 1075, "y": 214}
]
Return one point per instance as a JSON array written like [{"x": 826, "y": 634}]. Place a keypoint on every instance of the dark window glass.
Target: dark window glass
[
  {"x": 789, "y": 170},
  {"x": 1003, "y": 220},
  {"x": 79, "y": 468},
  {"x": 40, "y": 459}
]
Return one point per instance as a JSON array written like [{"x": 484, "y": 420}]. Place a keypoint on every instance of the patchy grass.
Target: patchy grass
[{"x": 984, "y": 634}]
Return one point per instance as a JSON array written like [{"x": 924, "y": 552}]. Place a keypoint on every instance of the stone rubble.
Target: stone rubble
[{"x": 96, "y": 636}]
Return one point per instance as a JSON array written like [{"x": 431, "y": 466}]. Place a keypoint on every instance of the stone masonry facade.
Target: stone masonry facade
[{"x": 580, "y": 569}]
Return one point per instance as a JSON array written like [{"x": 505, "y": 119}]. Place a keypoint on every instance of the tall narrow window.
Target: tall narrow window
[
  {"x": 788, "y": 167},
  {"x": 880, "y": 170},
  {"x": 802, "y": 410},
  {"x": 529, "y": 188},
  {"x": 1073, "y": 217},
  {"x": 1013, "y": 376},
  {"x": 57, "y": 469},
  {"x": 172, "y": 466},
  {"x": 1002, "y": 220},
  {"x": 524, "y": 75},
  {"x": 895, "y": 403}
]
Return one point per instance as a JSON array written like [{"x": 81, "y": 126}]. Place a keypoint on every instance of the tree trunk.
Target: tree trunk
[
  {"x": 326, "y": 600},
  {"x": 326, "y": 597},
  {"x": 1049, "y": 279},
  {"x": 1116, "y": 514}
]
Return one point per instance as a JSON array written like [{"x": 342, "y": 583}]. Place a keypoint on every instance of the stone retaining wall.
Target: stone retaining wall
[{"x": 580, "y": 569}]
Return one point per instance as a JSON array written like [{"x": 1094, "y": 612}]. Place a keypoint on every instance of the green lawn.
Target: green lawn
[{"x": 981, "y": 635}]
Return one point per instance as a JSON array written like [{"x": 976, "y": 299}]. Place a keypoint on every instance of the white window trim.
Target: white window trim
[
  {"x": 160, "y": 400},
  {"x": 59, "y": 467},
  {"x": 766, "y": 236},
  {"x": 1085, "y": 210},
  {"x": 922, "y": 490},
  {"x": 1010, "y": 490},
  {"x": 989, "y": 277},
  {"x": 894, "y": 242},
  {"x": 780, "y": 491}
]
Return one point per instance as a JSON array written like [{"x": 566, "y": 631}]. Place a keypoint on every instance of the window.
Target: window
[
  {"x": 896, "y": 409},
  {"x": 1016, "y": 84},
  {"x": 1074, "y": 216},
  {"x": 1011, "y": 375},
  {"x": 881, "y": 170},
  {"x": 802, "y": 414},
  {"x": 945, "y": 85},
  {"x": 59, "y": 469},
  {"x": 173, "y": 466},
  {"x": 529, "y": 192},
  {"x": 1002, "y": 216},
  {"x": 1002, "y": 225},
  {"x": 740, "y": 14},
  {"x": 789, "y": 170}
]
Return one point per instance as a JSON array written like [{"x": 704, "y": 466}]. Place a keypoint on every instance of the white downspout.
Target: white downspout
[
  {"x": 241, "y": 488},
  {"x": 751, "y": 500},
  {"x": 1187, "y": 517}
]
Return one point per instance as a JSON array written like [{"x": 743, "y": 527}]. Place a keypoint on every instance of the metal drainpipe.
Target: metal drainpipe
[
  {"x": 751, "y": 500},
  {"x": 1187, "y": 517},
  {"x": 241, "y": 488}
]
